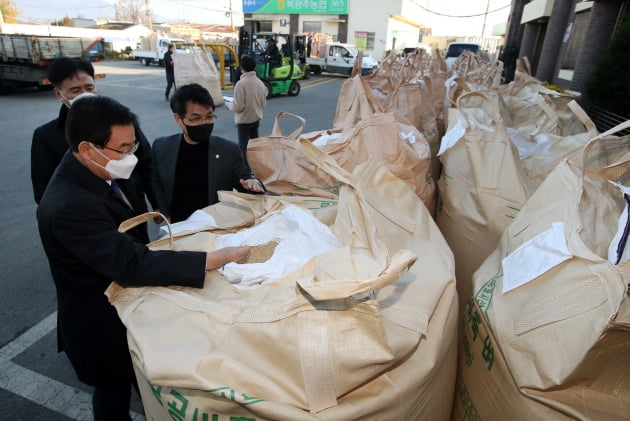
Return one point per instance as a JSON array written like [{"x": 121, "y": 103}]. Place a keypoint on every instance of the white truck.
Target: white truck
[
  {"x": 336, "y": 57},
  {"x": 24, "y": 59},
  {"x": 151, "y": 49}
]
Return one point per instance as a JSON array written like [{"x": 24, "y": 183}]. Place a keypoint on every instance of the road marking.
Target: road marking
[
  {"x": 117, "y": 83},
  {"x": 317, "y": 83},
  {"x": 37, "y": 388}
]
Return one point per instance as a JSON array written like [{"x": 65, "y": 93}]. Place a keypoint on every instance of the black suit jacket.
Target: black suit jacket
[
  {"x": 226, "y": 168},
  {"x": 49, "y": 145},
  {"x": 78, "y": 220}
]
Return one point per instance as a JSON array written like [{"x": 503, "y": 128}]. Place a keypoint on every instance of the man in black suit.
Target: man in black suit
[
  {"x": 72, "y": 78},
  {"x": 88, "y": 196},
  {"x": 190, "y": 167}
]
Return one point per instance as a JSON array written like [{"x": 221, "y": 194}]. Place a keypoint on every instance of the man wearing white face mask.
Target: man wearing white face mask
[
  {"x": 73, "y": 79},
  {"x": 78, "y": 219}
]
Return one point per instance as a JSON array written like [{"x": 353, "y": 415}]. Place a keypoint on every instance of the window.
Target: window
[
  {"x": 312, "y": 27},
  {"x": 576, "y": 39},
  {"x": 266, "y": 26},
  {"x": 370, "y": 41}
]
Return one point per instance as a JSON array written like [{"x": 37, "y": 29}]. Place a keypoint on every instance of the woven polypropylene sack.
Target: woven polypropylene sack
[
  {"x": 353, "y": 334},
  {"x": 553, "y": 304}
]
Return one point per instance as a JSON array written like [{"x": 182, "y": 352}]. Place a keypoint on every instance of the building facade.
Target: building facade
[
  {"x": 375, "y": 29},
  {"x": 563, "y": 39}
]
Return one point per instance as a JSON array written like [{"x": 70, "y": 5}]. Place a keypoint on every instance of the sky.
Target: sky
[
  {"x": 197, "y": 11},
  {"x": 207, "y": 11}
]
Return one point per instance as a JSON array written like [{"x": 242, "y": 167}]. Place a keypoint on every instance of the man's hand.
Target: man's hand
[
  {"x": 252, "y": 184},
  {"x": 157, "y": 219},
  {"x": 216, "y": 259}
]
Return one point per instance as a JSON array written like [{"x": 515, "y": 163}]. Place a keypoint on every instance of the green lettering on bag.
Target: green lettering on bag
[
  {"x": 232, "y": 395},
  {"x": 331, "y": 189},
  {"x": 488, "y": 352},
  {"x": 484, "y": 295},
  {"x": 156, "y": 390},
  {"x": 177, "y": 413},
  {"x": 473, "y": 318},
  {"x": 470, "y": 412}
]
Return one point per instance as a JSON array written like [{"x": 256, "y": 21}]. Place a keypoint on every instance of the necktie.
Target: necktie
[{"x": 119, "y": 194}]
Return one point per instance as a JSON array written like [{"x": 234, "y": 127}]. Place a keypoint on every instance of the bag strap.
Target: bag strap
[
  {"x": 582, "y": 116},
  {"x": 130, "y": 223},
  {"x": 596, "y": 139},
  {"x": 358, "y": 64},
  {"x": 461, "y": 83},
  {"x": 496, "y": 115},
  {"x": 277, "y": 131}
]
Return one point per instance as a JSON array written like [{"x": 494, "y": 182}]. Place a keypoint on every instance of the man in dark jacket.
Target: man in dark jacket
[
  {"x": 70, "y": 79},
  {"x": 170, "y": 70},
  {"x": 88, "y": 196},
  {"x": 190, "y": 167}
]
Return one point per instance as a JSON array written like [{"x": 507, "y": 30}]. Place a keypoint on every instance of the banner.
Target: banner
[{"x": 314, "y": 7}]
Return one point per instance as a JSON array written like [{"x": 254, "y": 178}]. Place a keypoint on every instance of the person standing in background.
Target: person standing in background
[
  {"x": 309, "y": 43},
  {"x": 250, "y": 98},
  {"x": 170, "y": 71}
]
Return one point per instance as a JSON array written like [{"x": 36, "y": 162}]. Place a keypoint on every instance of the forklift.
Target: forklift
[{"x": 282, "y": 76}]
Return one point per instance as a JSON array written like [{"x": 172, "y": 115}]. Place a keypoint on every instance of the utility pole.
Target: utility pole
[
  {"x": 146, "y": 2},
  {"x": 485, "y": 16}
]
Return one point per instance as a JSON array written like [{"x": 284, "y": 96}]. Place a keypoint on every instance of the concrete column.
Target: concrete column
[
  {"x": 343, "y": 29},
  {"x": 529, "y": 41},
  {"x": 600, "y": 30},
  {"x": 553, "y": 39},
  {"x": 513, "y": 35}
]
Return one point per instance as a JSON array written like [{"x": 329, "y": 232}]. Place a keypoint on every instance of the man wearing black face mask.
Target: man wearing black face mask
[{"x": 189, "y": 168}]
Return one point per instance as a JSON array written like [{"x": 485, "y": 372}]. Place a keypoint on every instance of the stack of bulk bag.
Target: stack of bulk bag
[
  {"x": 361, "y": 332},
  {"x": 387, "y": 138},
  {"x": 401, "y": 90},
  {"x": 547, "y": 331}
]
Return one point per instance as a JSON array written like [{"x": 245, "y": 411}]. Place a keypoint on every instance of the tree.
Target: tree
[
  {"x": 131, "y": 10},
  {"x": 608, "y": 86},
  {"x": 66, "y": 21},
  {"x": 9, "y": 12}
]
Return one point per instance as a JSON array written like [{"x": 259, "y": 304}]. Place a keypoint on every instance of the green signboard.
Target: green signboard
[{"x": 312, "y": 7}]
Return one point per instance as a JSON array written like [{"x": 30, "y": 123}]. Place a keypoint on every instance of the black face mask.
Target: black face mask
[{"x": 200, "y": 133}]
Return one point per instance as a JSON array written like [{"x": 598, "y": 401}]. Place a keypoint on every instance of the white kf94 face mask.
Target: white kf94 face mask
[
  {"x": 82, "y": 95},
  {"x": 118, "y": 168}
]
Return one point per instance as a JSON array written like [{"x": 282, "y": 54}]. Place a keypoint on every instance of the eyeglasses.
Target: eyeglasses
[
  {"x": 198, "y": 120},
  {"x": 129, "y": 151}
]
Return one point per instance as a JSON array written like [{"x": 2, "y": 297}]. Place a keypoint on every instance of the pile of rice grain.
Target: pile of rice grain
[{"x": 261, "y": 253}]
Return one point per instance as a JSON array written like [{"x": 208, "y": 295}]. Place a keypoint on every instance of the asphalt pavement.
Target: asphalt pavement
[{"x": 36, "y": 382}]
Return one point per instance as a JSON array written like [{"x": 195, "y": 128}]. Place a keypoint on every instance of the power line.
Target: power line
[
  {"x": 39, "y": 6},
  {"x": 462, "y": 16}
]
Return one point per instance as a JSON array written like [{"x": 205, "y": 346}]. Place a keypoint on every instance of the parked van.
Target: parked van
[{"x": 456, "y": 48}]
